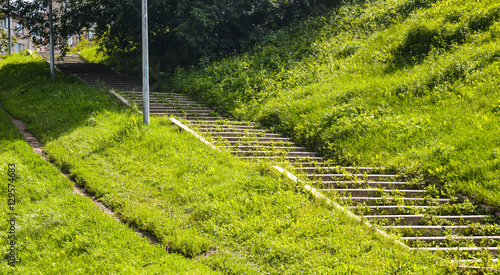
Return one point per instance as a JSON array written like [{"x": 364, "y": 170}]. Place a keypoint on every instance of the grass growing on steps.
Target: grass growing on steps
[
  {"x": 93, "y": 55},
  {"x": 235, "y": 217},
  {"x": 409, "y": 84},
  {"x": 60, "y": 232}
]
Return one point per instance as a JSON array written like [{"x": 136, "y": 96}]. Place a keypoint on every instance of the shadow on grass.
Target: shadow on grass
[{"x": 56, "y": 106}]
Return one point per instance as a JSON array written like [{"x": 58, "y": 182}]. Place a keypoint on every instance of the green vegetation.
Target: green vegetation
[
  {"x": 406, "y": 84},
  {"x": 60, "y": 232},
  {"x": 93, "y": 55},
  {"x": 4, "y": 41},
  {"x": 89, "y": 51},
  {"x": 234, "y": 217},
  {"x": 180, "y": 31}
]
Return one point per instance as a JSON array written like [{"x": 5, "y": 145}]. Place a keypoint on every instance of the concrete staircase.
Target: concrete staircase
[{"x": 412, "y": 209}]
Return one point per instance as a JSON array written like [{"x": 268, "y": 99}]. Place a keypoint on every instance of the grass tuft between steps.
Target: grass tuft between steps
[{"x": 232, "y": 216}]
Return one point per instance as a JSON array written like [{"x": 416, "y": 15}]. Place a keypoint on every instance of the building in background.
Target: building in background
[
  {"x": 27, "y": 41},
  {"x": 17, "y": 30}
]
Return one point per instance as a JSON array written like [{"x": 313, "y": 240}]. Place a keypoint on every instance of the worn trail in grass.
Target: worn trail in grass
[{"x": 234, "y": 217}]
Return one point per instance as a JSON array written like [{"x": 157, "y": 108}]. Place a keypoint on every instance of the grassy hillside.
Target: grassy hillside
[
  {"x": 206, "y": 205},
  {"x": 409, "y": 84},
  {"x": 60, "y": 232}
]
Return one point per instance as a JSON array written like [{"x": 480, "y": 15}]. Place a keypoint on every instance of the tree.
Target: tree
[
  {"x": 4, "y": 41},
  {"x": 4, "y": 36},
  {"x": 181, "y": 31}
]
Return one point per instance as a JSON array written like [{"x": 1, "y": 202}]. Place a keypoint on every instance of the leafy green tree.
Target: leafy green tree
[
  {"x": 180, "y": 31},
  {"x": 4, "y": 37},
  {"x": 4, "y": 41}
]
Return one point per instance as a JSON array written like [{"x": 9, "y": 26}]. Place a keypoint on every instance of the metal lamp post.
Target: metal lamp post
[
  {"x": 51, "y": 40},
  {"x": 145, "y": 63},
  {"x": 9, "y": 27}
]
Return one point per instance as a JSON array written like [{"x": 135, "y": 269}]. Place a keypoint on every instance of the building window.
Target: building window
[
  {"x": 18, "y": 47},
  {"x": 3, "y": 23},
  {"x": 19, "y": 29},
  {"x": 70, "y": 40}
]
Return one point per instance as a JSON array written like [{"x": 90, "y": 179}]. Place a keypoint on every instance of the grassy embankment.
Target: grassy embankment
[
  {"x": 234, "y": 217},
  {"x": 408, "y": 84},
  {"x": 60, "y": 232}
]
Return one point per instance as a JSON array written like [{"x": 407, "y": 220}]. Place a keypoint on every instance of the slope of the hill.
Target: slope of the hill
[
  {"x": 409, "y": 84},
  {"x": 48, "y": 229},
  {"x": 235, "y": 217}
]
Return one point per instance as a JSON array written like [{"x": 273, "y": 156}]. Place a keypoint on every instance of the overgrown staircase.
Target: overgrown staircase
[{"x": 424, "y": 216}]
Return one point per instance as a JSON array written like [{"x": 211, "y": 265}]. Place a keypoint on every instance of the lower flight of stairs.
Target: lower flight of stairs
[{"x": 424, "y": 216}]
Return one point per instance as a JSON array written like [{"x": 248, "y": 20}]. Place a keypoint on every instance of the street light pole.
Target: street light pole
[
  {"x": 145, "y": 63},
  {"x": 9, "y": 27},
  {"x": 51, "y": 27}
]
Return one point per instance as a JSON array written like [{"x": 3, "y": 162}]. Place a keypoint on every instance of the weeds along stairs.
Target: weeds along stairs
[{"x": 422, "y": 215}]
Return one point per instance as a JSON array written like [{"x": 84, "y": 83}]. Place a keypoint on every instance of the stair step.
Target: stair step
[
  {"x": 173, "y": 96},
  {"x": 428, "y": 230},
  {"x": 226, "y": 128},
  {"x": 188, "y": 116},
  {"x": 166, "y": 105},
  {"x": 223, "y": 126},
  {"x": 226, "y": 122},
  {"x": 416, "y": 219},
  {"x": 319, "y": 170},
  {"x": 370, "y": 183},
  {"x": 492, "y": 250},
  {"x": 375, "y": 192},
  {"x": 477, "y": 240},
  {"x": 163, "y": 106},
  {"x": 180, "y": 114},
  {"x": 391, "y": 200},
  {"x": 175, "y": 102},
  {"x": 245, "y": 148},
  {"x": 279, "y": 158},
  {"x": 275, "y": 153},
  {"x": 258, "y": 139},
  {"x": 171, "y": 103},
  {"x": 388, "y": 209},
  {"x": 328, "y": 177},
  {"x": 243, "y": 134},
  {"x": 224, "y": 142}
]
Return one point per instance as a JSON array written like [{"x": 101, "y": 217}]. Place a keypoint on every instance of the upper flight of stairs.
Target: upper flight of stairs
[
  {"x": 423, "y": 215},
  {"x": 96, "y": 75}
]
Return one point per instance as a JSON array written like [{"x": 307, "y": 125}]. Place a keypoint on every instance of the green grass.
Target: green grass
[
  {"x": 405, "y": 84},
  {"x": 89, "y": 51},
  {"x": 206, "y": 205},
  {"x": 60, "y": 232},
  {"x": 93, "y": 55}
]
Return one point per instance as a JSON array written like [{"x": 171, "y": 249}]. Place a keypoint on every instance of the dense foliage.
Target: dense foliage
[
  {"x": 180, "y": 31},
  {"x": 411, "y": 84}
]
